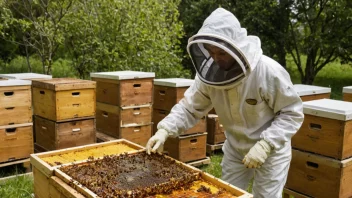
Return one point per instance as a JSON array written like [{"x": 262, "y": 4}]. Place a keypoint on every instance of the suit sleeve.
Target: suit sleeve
[
  {"x": 288, "y": 108},
  {"x": 184, "y": 115}
]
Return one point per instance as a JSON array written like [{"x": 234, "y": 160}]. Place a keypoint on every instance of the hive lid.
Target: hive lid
[
  {"x": 123, "y": 75},
  {"x": 304, "y": 90},
  {"x": 174, "y": 82},
  {"x": 347, "y": 89},
  {"x": 25, "y": 76},
  {"x": 328, "y": 108},
  {"x": 60, "y": 84},
  {"x": 9, "y": 83}
]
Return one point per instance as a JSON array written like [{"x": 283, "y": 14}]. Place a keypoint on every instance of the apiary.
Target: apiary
[
  {"x": 158, "y": 115},
  {"x": 326, "y": 129},
  {"x": 61, "y": 99},
  {"x": 15, "y": 102},
  {"x": 311, "y": 92},
  {"x": 141, "y": 175},
  {"x": 187, "y": 148},
  {"x": 52, "y": 135},
  {"x": 318, "y": 176},
  {"x": 169, "y": 91},
  {"x": 347, "y": 93},
  {"x": 215, "y": 130},
  {"x": 25, "y": 76},
  {"x": 124, "y": 88},
  {"x": 16, "y": 141},
  {"x": 44, "y": 164}
]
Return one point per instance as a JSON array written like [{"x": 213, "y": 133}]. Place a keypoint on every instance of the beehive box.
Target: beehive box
[
  {"x": 15, "y": 102},
  {"x": 347, "y": 93},
  {"x": 58, "y": 135},
  {"x": 137, "y": 133},
  {"x": 319, "y": 176},
  {"x": 311, "y": 92},
  {"x": 187, "y": 148},
  {"x": 25, "y": 76},
  {"x": 326, "y": 129},
  {"x": 114, "y": 117},
  {"x": 61, "y": 99},
  {"x": 169, "y": 91},
  {"x": 16, "y": 141},
  {"x": 158, "y": 115},
  {"x": 145, "y": 176},
  {"x": 124, "y": 88},
  {"x": 44, "y": 164},
  {"x": 215, "y": 130}
]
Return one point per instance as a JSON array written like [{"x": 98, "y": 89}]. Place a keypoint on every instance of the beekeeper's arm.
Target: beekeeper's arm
[
  {"x": 184, "y": 115},
  {"x": 280, "y": 95}
]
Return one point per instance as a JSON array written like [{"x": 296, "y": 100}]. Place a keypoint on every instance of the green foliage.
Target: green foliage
[
  {"x": 125, "y": 35},
  {"x": 19, "y": 65}
]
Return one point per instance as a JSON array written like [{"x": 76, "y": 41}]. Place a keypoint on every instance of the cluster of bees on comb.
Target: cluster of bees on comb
[{"x": 135, "y": 175}]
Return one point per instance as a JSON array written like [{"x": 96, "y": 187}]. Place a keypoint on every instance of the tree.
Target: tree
[
  {"x": 322, "y": 31},
  {"x": 40, "y": 25},
  {"x": 125, "y": 35}
]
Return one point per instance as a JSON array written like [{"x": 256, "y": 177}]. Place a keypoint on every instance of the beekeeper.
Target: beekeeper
[{"x": 253, "y": 97}]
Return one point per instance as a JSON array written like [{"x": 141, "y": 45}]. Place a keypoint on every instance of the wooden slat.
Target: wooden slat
[{"x": 207, "y": 177}]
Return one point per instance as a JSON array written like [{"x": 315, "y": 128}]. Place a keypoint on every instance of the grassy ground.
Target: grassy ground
[{"x": 335, "y": 76}]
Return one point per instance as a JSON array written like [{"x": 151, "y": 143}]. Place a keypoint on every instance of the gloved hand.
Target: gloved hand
[
  {"x": 257, "y": 154},
  {"x": 156, "y": 143}
]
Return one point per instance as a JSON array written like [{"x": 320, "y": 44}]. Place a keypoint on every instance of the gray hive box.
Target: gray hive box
[
  {"x": 25, "y": 76},
  {"x": 311, "y": 92}
]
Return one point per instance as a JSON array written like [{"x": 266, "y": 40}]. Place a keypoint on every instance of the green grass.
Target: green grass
[{"x": 20, "y": 186}]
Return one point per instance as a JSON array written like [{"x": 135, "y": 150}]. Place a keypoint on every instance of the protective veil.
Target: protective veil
[{"x": 256, "y": 102}]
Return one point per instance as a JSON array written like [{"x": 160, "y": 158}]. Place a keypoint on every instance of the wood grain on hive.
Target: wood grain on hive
[{"x": 347, "y": 93}]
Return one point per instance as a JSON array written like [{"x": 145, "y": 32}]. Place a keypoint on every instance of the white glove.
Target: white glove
[
  {"x": 257, "y": 154},
  {"x": 156, "y": 143}
]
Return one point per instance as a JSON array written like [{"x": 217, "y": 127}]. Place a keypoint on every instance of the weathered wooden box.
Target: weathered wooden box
[
  {"x": 310, "y": 92},
  {"x": 215, "y": 130},
  {"x": 158, "y": 115},
  {"x": 58, "y": 135},
  {"x": 347, "y": 93},
  {"x": 169, "y": 91},
  {"x": 16, "y": 141},
  {"x": 319, "y": 176},
  {"x": 326, "y": 129},
  {"x": 187, "y": 148},
  {"x": 113, "y": 117},
  {"x": 25, "y": 76},
  {"x": 124, "y": 88},
  {"x": 217, "y": 187},
  {"x": 61, "y": 99},
  {"x": 15, "y": 102},
  {"x": 44, "y": 164}
]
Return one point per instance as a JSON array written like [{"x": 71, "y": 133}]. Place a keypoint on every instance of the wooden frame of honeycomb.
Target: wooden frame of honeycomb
[
  {"x": 44, "y": 164},
  {"x": 140, "y": 175}
]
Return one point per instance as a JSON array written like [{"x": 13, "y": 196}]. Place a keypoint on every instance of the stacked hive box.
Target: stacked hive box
[
  {"x": 321, "y": 164},
  {"x": 26, "y": 76},
  {"x": 310, "y": 92},
  {"x": 124, "y": 104},
  {"x": 191, "y": 144},
  {"x": 347, "y": 93},
  {"x": 64, "y": 110},
  {"x": 16, "y": 134}
]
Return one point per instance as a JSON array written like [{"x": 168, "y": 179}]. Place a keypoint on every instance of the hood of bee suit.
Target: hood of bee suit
[{"x": 222, "y": 31}]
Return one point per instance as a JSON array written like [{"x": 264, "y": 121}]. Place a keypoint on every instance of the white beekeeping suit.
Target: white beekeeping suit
[{"x": 254, "y": 99}]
